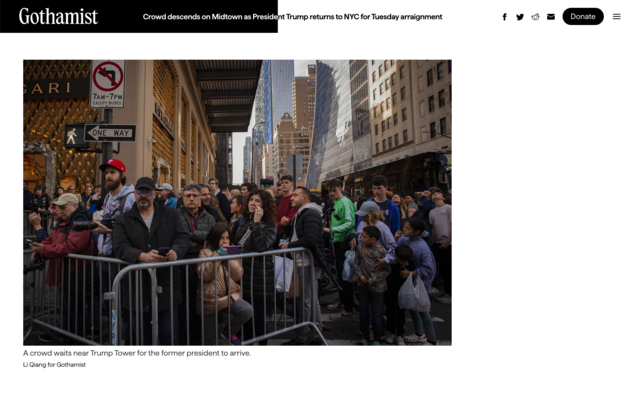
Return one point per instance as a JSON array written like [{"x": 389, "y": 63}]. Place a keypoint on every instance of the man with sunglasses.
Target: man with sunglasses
[{"x": 138, "y": 236}]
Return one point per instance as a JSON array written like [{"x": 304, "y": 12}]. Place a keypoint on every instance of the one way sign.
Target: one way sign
[{"x": 110, "y": 133}]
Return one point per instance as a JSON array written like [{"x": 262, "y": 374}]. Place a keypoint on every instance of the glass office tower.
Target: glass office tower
[
  {"x": 282, "y": 75},
  {"x": 332, "y": 149}
]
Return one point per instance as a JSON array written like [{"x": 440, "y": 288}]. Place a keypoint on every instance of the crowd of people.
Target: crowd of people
[{"x": 386, "y": 239}]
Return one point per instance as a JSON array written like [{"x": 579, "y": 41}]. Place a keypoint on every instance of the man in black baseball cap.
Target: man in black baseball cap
[{"x": 138, "y": 236}]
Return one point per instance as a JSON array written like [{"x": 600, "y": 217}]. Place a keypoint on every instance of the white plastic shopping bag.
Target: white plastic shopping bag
[
  {"x": 348, "y": 265},
  {"x": 283, "y": 278},
  {"x": 414, "y": 296}
]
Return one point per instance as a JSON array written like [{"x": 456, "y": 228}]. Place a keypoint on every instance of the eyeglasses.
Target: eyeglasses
[
  {"x": 191, "y": 196},
  {"x": 144, "y": 191}
]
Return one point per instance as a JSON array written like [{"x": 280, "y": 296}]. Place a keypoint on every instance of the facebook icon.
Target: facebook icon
[{"x": 504, "y": 17}]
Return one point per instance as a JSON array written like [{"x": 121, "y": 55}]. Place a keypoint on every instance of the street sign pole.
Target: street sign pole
[{"x": 107, "y": 150}]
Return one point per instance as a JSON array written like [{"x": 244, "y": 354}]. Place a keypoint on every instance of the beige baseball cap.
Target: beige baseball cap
[{"x": 65, "y": 199}]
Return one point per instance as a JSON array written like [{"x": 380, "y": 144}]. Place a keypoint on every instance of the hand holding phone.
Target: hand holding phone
[{"x": 163, "y": 251}]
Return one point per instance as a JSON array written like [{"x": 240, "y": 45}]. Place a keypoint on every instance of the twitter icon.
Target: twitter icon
[{"x": 520, "y": 16}]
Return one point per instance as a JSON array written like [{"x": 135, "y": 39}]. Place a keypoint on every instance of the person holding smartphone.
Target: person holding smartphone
[
  {"x": 138, "y": 235},
  {"x": 256, "y": 232},
  {"x": 220, "y": 283}
]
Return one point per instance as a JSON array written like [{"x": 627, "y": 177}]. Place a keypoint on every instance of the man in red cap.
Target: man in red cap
[{"x": 119, "y": 198}]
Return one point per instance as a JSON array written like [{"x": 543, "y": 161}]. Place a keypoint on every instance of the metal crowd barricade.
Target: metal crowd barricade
[
  {"x": 139, "y": 323},
  {"x": 70, "y": 308}
]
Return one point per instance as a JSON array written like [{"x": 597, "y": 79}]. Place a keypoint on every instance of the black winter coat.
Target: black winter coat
[
  {"x": 27, "y": 197},
  {"x": 225, "y": 208},
  {"x": 43, "y": 202},
  {"x": 203, "y": 224},
  {"x": 309, "y": 231},
  {"x": 262, "y": 239},
  {"x": 213, "y": 212},
  {"x": 132, "y": 237}
]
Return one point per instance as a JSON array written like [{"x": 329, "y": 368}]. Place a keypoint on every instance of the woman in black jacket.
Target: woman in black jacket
[{"x": 256, "y": 232}]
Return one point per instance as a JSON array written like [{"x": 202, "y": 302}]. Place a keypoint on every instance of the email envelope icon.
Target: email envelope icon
[{"x": 551, "y": 17}]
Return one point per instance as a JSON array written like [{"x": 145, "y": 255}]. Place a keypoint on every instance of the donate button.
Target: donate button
[{"x": 583, "y": 16}]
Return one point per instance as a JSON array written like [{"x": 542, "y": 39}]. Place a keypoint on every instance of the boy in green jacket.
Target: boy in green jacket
[{"x": 346, "y": 211}]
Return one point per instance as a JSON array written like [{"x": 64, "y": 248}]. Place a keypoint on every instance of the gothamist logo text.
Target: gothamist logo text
[{"x": 46, "y": 17}]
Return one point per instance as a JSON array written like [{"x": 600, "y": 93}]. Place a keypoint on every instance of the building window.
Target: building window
[
  {"x": 384, "y": 145},
  {"x": 390, "y": 142},
  {"x": 449, "y": 63},
  {"x": 375, "y": 112},
  {"x": 395, "y": 98},
  {"x": 404, "y": 114},
  {"x": 440, "y": 70},
  {"x": 420, "y": 83},
  {"x": 443, "y": 126},
  {"x": 441, "y": 98},
  {"x": 403, "y": 93},
  {"x": 386, "y": 65},
  {"x": 422, "y": 110},
  {"x": 386, "y": 84},
  {"x": 376, "y": 129},
  {"x": 374, "y": 94},
  {"x": 401, "y": 72},
  {"x": 384, "y": 126},
  {"x": 393, "y": 62},
  {"x": 429, "y": 77},
  {"x": 381, "y": 107},
  {"x": 389, "y": 123},
  {"x": 380, "y": 70},
  {"x": 397, "y": 139},
  {"x": 395, "y": 119},
  {"x": 377, "y": 148},
  {"x": 372, "y": 62},
  {"x": 405, "y": 135},
  {"x": 388, "y": 103},
  {"x": 432, "y": 128},
  {"x": 393, "y": 79},
  {"x": 432, "y": 103},
  {"x": 381, "y": 88},
  {"x": 373, "y": 75}
]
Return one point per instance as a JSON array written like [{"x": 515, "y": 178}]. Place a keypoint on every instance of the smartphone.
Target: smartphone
[
  {"x": 28, "y": 241},
  {"x": 234, "y": 249},
  {"x": 163, "y": 251}
]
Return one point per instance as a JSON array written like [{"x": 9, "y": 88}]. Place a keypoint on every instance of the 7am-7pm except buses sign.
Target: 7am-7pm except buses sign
[{"x": 107, "y": 84}]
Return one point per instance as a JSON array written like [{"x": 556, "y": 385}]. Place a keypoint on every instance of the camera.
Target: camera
[
  {"x": 108, "y": 220},
  {"x": 36, "y": 264}
]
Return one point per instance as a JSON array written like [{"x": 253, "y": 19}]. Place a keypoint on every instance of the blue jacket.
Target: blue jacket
[
  {"x": 426, "y": 208},
  {"x": 394, "y": 217},
  {"x": 171, "y": 202},
  {"x": 423, "y": 259}
]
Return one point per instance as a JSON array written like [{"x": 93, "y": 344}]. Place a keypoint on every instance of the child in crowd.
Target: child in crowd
[
  {"x": 226, "y": 292},
  {"x": 371, "y": 282},
  {"x": 419, "y": 255}
]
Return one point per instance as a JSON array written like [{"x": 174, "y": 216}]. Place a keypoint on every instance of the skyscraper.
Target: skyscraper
[
  {"x": 282, "y": 74},
  {"x": 247, "y": 152},
  {"x": 332, "y": 153},
  {"x": 359, "y": 72},
  {"x": 304, "y": 99}
]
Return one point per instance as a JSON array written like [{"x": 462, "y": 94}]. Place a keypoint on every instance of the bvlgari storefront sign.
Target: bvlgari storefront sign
[
  {"x": 56, "y": 89},
  {"x": 164, "y": 119}
]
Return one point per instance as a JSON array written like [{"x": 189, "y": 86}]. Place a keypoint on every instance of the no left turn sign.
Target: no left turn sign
[{"x": 107, "y": 84}]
